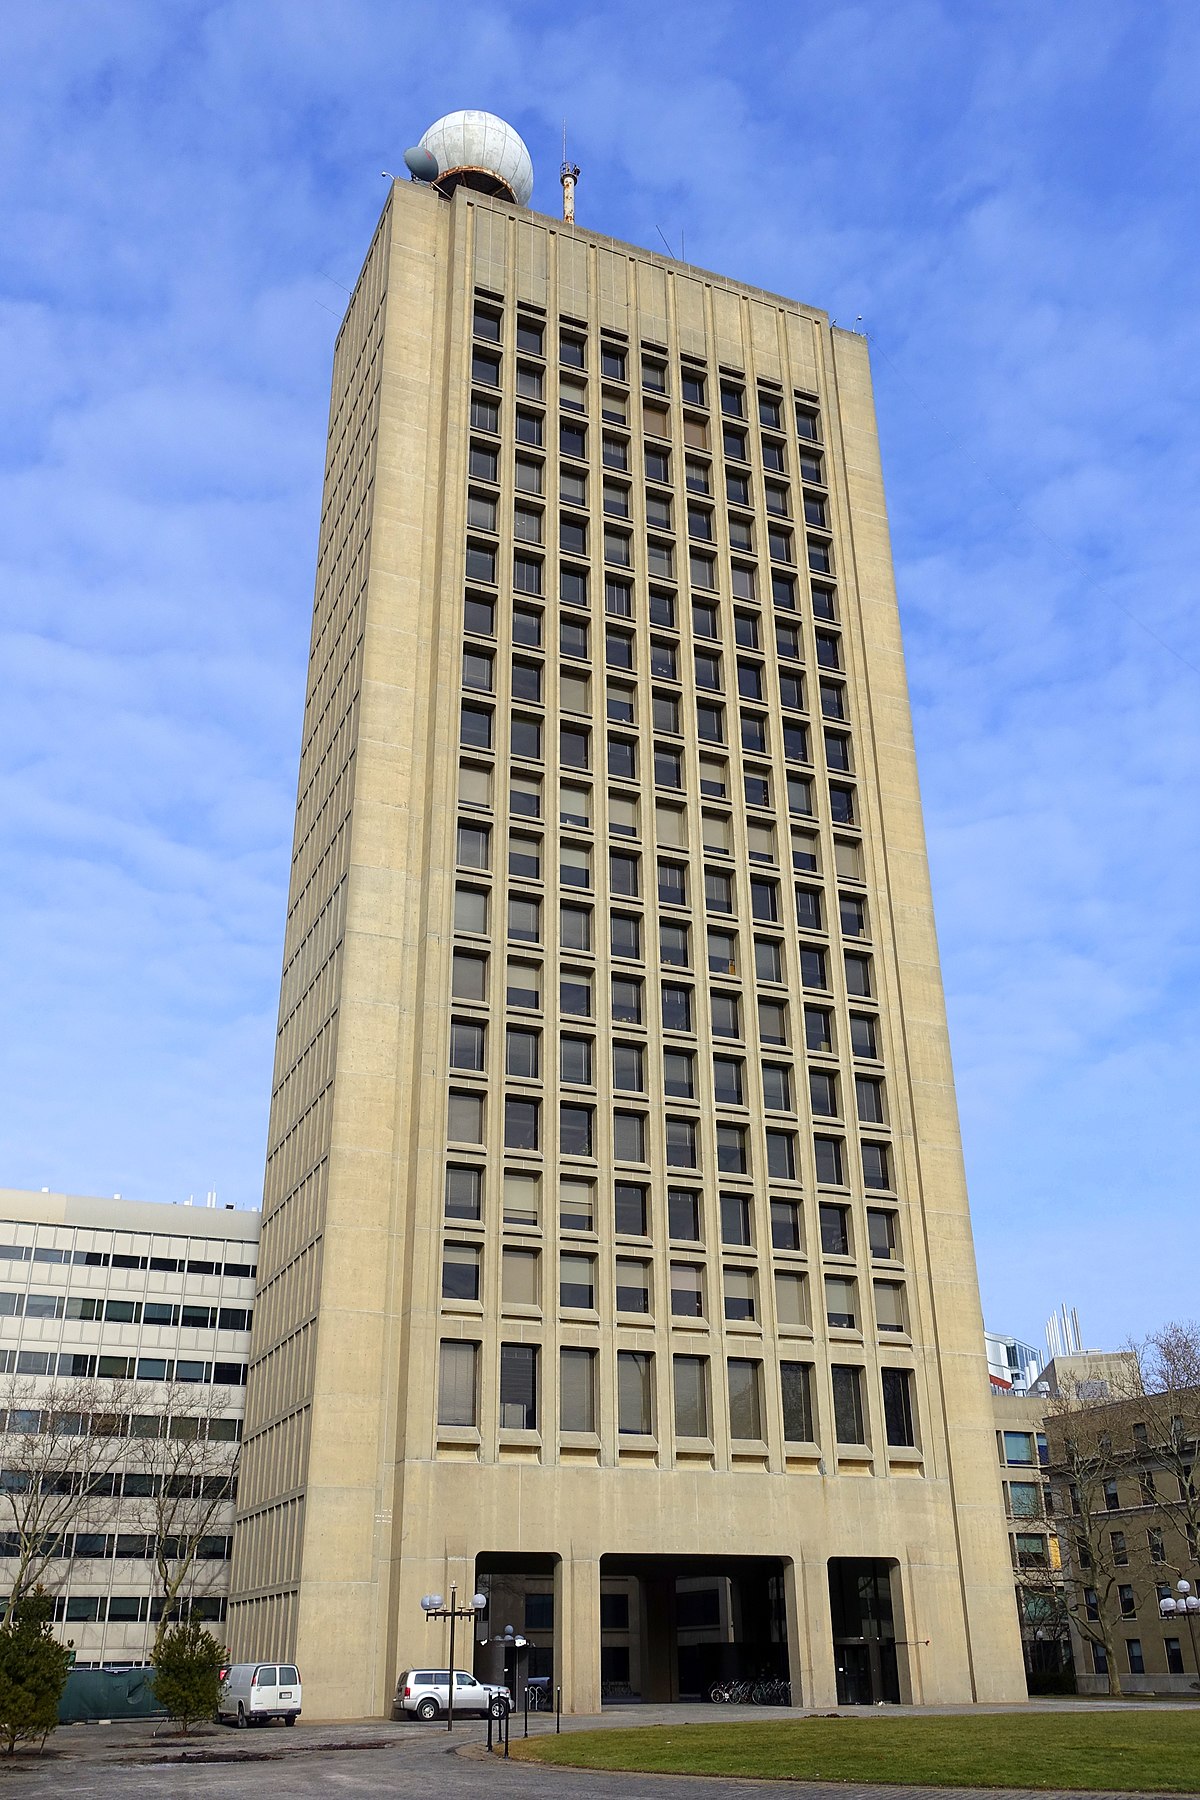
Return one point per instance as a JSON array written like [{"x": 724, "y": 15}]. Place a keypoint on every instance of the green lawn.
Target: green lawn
[{"x": 1126, "y": 1752}]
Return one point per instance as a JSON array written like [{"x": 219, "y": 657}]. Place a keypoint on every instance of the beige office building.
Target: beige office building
[
  {"x": 615, "y": 1247},
  {"x": 155, "y": 1300}
]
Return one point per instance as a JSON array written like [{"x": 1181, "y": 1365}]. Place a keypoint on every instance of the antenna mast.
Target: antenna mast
[{"x": 568, "y": 175}]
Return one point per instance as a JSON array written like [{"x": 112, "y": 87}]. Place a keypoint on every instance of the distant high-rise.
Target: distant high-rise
[{"x": 616, "y": 1259}]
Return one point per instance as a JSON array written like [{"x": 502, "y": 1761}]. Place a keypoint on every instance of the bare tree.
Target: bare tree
[
  {"x": 1165, "y": 1434},
  {"x": 61, "y": 1449},
  {"x": 181, "y": 1474},
  {"x": 1086, "y": 1457}
]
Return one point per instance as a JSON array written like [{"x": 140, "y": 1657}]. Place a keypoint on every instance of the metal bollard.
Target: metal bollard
[
  {"x": 526, "y": 1709},
  {"x": 489, "y": 1730},
  {"x": 558, "y": 1709},
  {"x": 507, "y": 1717}
]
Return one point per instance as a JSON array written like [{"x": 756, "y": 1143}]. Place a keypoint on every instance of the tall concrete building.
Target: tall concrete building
[{"x": 615, "y": 1246}]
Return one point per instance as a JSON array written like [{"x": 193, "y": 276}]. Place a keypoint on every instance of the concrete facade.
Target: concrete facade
[
  {"x": 96, "y": 1291},
  {"x": 614, "y": 1175}
]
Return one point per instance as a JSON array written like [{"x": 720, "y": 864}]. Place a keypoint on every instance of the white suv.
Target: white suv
[{"x": 426, "y": 1692}]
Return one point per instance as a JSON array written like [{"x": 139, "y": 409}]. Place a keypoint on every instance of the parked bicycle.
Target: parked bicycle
[{"x": 766, "y": 1691}]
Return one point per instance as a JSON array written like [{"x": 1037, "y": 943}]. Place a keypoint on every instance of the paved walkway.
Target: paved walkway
[{"x": 137, "y": 1759}]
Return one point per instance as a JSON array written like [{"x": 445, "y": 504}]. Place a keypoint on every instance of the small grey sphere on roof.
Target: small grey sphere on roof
[{"x": 478, "y": 144}]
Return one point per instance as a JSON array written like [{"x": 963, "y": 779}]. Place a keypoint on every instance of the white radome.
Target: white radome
[{"x": 479, "y": 140}]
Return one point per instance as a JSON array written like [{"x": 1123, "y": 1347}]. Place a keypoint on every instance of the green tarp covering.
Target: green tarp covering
[{"x": 108, "y": 1694}]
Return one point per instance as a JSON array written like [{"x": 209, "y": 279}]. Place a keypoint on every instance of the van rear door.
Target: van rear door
[{"x": 262, "y": 1688}]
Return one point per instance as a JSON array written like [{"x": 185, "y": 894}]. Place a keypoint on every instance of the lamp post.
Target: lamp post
[
  {"x": 433, "y": 1606},
  {"x": 1185, "y": 1602}
]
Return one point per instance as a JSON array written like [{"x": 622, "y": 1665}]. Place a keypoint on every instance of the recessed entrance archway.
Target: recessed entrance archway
[{"x": 673, "y": 1626}]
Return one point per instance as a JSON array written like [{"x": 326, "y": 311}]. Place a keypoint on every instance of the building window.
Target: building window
[
  {"x": 575, "y": 1060},
  {"x": 848, "y": 1420},
  {"x": 673, "y": 945},
  {"x": 521, "y": 1123},
  {"x": 629, "y": 1137},
  {"x": 876, "y": 1166},
  {"x": 691, "y": 1396},
  {"x": 518, "y": 1387},
  {"x": 735, "y": 1220},
  {"x": 464, "y": 1192},
  {"x": 795, "y": 1380},
  {"x": 727, "y": 1080},
  {"x": 460, "y": 1272},
  {"x": 457, "y": 1382},
  {"x": 524, "y": 919},
  {"x": 1133, "y": 1650},
  {"x": 522, "y": 1199},
  {"x": 465, "y": 1121},
  {"x": 577, "y": 1286},
  {"x": 835, "y": 1230},
  {"x": 687, "y": 1291},
  {"x": 625, "y": 936},
  {"x": 679, "y": 1081},
  {"x": 841, "y": 1302},
  {"x": 521, "y": 1053},
  {"x": 635, "y": 1414},
  {"x": 520, "y": 1278},
  {"x": 881, "y": 1234},
  {"x": 485, "y": 414},
  {"x": 785, "y": 1225},
  {"x": 741, "y": 1304},
  {"x": 626, "y": 1001},
  {"x": 466, "y": 1045},
  {"x": 791, "y": 1298},
  {"x": 475, "y": 727},
  {"x": 898, "y": 1407},
  {"x": 731, "y": 1149},
  {"x": 684, "y": 1215},
  {"x": 781, "y": 1155},
  {"x": 523, "y": 984},
  {"x": 681, "y": 1144},
  {"x": 577, "y": 1390},
  {"x": 676, "y": 1007},
  {"x": 852, "y": 916},
  {"x": 889, "y": 1306},
  {"x": 768, "y": 959},
  {"x": 830, "y": 1160},
  {"x": 772, "y": 1022},
  {"x": 745, "y": 1398},
  {"x": 575, "y": 1130},
  {"x": 576, "y": 1204}
]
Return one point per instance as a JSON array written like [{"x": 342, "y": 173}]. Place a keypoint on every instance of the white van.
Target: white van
[{"x": 252, "y": 1693}]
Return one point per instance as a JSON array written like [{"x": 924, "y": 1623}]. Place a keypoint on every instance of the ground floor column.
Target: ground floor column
[
  {"x": 815, "y": 1631},
  {"x": 577, "y": 1632}
]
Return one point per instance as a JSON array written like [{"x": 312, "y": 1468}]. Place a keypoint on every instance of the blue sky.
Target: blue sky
[{"x": 1005, "y": 192}]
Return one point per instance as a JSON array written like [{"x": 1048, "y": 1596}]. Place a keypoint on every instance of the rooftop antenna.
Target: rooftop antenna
[{"x": 568, "y": 175}]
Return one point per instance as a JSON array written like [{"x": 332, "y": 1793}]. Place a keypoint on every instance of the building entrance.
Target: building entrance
[
  {"x": 673, "y": 1627},
  {"x": 517, "y": 1636},
  {"x": 865, "y": 1651}
]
